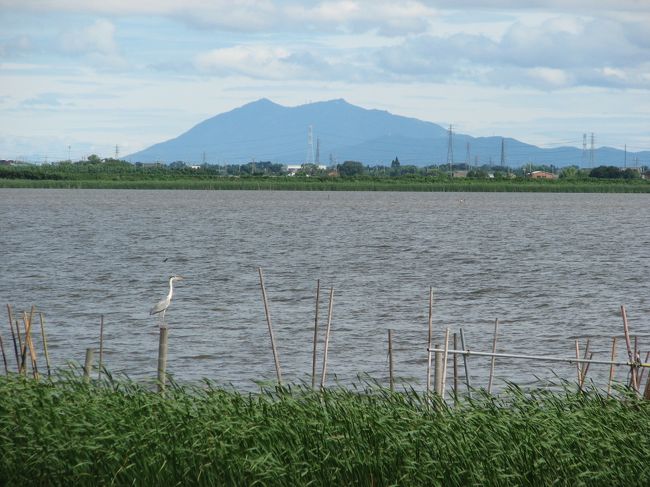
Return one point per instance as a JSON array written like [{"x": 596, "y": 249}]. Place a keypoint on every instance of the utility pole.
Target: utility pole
[
  {"x": 584, "y": 149},
  {"x": 503, "y": 152},
  {"x": 450, "y": 152},
  {"x": 468, "y": 159},
  {"x": 317, "y": 150}
]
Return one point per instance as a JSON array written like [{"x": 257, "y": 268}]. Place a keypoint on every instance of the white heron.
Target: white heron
[{"x": 162, "y": 305}]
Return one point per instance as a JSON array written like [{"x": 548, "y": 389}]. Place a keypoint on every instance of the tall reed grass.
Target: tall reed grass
[{"x": 118, "y": 432}]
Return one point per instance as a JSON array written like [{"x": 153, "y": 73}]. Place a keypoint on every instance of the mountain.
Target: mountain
[{"x": 265, "y": 131}]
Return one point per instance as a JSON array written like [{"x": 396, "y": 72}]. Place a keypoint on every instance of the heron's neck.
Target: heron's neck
[{"x": 171, "y": 288}]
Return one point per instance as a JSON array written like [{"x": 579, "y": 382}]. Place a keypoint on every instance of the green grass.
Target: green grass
[
  {"x": 117, "y": 432},
  {"x": 339, "y": 184}
]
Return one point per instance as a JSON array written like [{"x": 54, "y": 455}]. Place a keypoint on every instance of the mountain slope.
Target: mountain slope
[{"x": 265, "y": 131}]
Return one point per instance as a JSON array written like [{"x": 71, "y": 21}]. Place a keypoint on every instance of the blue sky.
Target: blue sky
[{"x": 82, "y": 76}]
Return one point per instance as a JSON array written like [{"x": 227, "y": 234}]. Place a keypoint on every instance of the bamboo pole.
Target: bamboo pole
[
  {"x": 23, "y": 349},
  {"x": 313, "y": 357},
  {"x": 162, "y": 359},
  {"x": 323, "y": 376},
  {"x": 541, "y": 358},
  {"x": 429, "y": 336},
  {"x": 391, "y": 378},
  {"x": 628, "y": 344},
  {"x": 88, "y": 365},
  {"x": 646, "y": 392},
  {"x": 20, "y": 345},
  {"x": 467, "y": 377},
  {"x": 643, "y": 369},
  {"x": 455, "y": 362},
  {"x": 611, "y": 367},
  {"x": 578, "y": 368},
  {"x": 585, "y": 369},
  {"x": 30, "y": 344},
  {"x": 437, "y": 371},
  {"x": 493, "y": 361},
  {"x": 585, "y": 355},
  {"x": 445, "y": 356},
  {"x": 41, "y": 318},
  {"x": 101, "y": 347},
  {"x": 4, "y": 357},
  {"x": 13, "y": 336},
  {"x": 276, "y": 359}
]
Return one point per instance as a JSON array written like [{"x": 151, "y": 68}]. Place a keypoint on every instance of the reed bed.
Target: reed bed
[
  {"x": 68, "y": 432},
  {"x": 337, "y": 184}
]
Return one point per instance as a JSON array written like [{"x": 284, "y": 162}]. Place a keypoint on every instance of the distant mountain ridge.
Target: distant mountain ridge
[{"x": 265, "y": 131}]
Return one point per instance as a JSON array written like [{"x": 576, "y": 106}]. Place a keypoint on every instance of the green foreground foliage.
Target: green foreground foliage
[{"x": 117, "y": 432}]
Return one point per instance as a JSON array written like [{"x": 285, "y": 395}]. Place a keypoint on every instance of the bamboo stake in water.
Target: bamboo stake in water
[
  {"x": 23, "y": 350},
  {"x": 30, "y": 344},
  {"x": 611, "y": 367},
  {"x": 162, "y": 359},
  {"x": 327, "y": 339},
  {"x": 455, "y": 358},
  {"x": 88, "y": 365},
  {"x": 643, "y": 369},
  {"x": 276, "y": 359},
  {"x": 578, "y": 366},
  {"x": 390, "y": 361},
  {"x": 429, "y": 340},
  {"x": 584, "y": 364},
  {"x": 437, "y": 370},
  {"x": 465, "y": 358},
  {"x": 445, "y": 356},
  {"x": 4, "y": 357},
  {"x": 313, "y": 358},
  {"x": 13, "y": 336},
  {"x": 628, "y": 344},
  {"x": 493, "y": 361},
  {"x": 101, "y": 346},
  {"x": 46, "y": 353}
]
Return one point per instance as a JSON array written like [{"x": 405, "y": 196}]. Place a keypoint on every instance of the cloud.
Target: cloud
[
  {"x": 15, "y": 46},
  {"x": 95, "y": 41}
]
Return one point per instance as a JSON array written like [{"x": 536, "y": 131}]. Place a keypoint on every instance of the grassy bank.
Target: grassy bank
[
  {"x": 341, "y": 184},
  {"x": 69, "y": 433}
]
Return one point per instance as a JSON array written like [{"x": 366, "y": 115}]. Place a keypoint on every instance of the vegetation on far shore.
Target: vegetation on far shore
[
  {"x": 350, "y": 176},
  {"x": 67, "y": 432}
]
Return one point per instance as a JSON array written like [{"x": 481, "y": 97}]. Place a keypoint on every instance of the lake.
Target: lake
[{"x": 550, "y": 267}]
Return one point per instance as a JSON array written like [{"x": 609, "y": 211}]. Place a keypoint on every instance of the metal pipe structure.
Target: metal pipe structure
[{"x": 539, "y": 357}]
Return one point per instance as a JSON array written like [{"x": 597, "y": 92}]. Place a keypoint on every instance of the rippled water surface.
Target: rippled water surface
[{"x": 550, "y": 267}]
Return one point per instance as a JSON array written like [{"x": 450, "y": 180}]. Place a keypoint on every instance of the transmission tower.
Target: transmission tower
[
  {"x": 503, "y": 152},
  {"x": 591, "y": 151},
  {"x": 310, "y": 145},
  {"x": 450, "y": 151},
  {"x": 584, "y": 150}
]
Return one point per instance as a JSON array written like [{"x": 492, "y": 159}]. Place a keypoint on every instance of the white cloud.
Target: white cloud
[
  {"x": 96, "y": 42},
  {"x": 255, "y": 61}
]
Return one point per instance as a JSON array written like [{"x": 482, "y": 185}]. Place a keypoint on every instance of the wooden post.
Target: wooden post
[
  {"x": 390, "y": 361},
  {"x": 429, "y": 340},
  {"x": 47, "y": 355},
  {"x": 437, "y": 370},
  {"x": 88, "y": 365},
  {"x": 101, "y": 347},
  {"x": 445, "y": 357},
  {"x": 323, "y": 377},
  {"x": 162, "y": 359},
  {"x": 313, "y": 358},
  {"x": 643, "y": 369},
  {"x": 586, "y": 369},
  {"x": 611, "y": 367},
  {"x": 276, "y": 359},
  {"x": 493, "y": 361},
  {"x": 13, "y": 336},
  {"x": 23, "y": 349},
  {"x": 628, "y": 344},
  {"x": 467, "y": 378}
]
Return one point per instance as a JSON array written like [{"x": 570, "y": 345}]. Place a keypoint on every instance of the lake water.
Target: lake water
[{"x": 550, "y": 267}]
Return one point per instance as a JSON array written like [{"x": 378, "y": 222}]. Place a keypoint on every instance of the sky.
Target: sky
[{"x": 79, "y": 77}]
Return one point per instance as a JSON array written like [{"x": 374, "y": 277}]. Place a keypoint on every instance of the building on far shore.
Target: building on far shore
[{"x": 542, "y": 175}]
